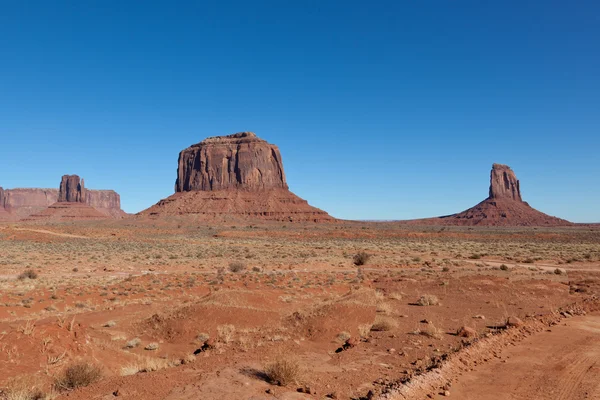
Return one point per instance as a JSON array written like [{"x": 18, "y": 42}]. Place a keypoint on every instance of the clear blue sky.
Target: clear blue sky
[{"x": 381, "y": 109}]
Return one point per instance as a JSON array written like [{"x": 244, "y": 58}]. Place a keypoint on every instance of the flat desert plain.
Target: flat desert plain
[{"x": 167, "y": 309}]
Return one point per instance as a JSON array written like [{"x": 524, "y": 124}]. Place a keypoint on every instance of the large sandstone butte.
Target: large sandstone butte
[
  {"x": 503, "y": 207},
  {"x": 239, "y": 176},
  {"x": 72, "y": 189},
  {"x": 18, "y": 204},
  {"x": 239, "y": 161}
]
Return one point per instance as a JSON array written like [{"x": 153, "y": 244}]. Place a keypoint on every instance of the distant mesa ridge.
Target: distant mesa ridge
[
  {"x": 33, "y": 203},
  {"x": 232, "y": 177}
]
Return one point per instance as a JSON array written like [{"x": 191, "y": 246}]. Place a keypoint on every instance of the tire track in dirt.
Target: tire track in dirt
[
  {"x": 554, "y": 358},
  {"x": 552, "y": 365}
]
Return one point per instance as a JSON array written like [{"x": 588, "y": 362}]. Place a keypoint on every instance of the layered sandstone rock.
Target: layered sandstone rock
[
  {"x": 503, "y": 207},
  {"x": 504, "y": 183},
  {"x": 23, "y": 202},
  {"x": 72, "y": 189},
  {"x": 107, "y": 202},
  {"x": 26, "y": 203},
  {"x": 238, "y": 161},
  {"x": 239, "y": 176}
]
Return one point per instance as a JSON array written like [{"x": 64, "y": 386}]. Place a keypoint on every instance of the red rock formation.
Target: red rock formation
[
  {"x": 24, "y": 203},
  {"x": 4, "y": 215},
  {"x": 234, "y": 177},
  {"x": 504, "y": 183},
  {"x": 238, "y": 161},
  {"x": 72, "y": 189},
  {"x": 107, "y": 202},
  {"x": 68, "y": 211},
  {"x": 503, "y": 207}
]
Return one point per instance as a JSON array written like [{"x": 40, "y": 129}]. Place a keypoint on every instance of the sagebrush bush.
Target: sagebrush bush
[
  {"x": 237, "y": 267},
  {"x": 361, "y": 258},
  {"x": 78, "y": 375},
  {"x": 28, "y": 274},
  {"x": 283, "y": 371},
  {"x": 428, "y": 300}
]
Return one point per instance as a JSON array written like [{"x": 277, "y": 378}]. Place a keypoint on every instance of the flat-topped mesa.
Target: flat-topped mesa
[
  {"x": 241, "y": 161},
  {"x": 232, "y": 178},
  {"x": 504, "y": 183},
  {"x": 72, "y": 189}
]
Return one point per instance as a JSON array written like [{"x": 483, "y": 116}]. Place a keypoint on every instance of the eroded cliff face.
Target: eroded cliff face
[
  {"x": 503, "y": 207},
  {"x": 22, "y": 203},
  {"x": 234, "y": 177},
  {"x": 240, "y": 161},
  {"x": 72, "y": 189},
  {"x": 504, "y": 183}
]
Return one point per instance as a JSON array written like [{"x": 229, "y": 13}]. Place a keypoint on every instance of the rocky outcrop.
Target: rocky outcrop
[
  {"x": 234, "y": 177},
  {"x": 72, "y": 189},
  {"x": 106, "y": 201},
  {"x": 25, "y": 203},
  {"x": 504, "y": 183},
  {"x": 240, "y": 161},
  {"x": 503, "y": 207}
]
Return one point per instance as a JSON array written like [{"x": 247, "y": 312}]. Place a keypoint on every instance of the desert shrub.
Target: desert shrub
[
  {"x": 558, "y": 271},
  {"x": 364, "y": 329},
  {"x": 28, "y": 274},
  {"x": 283, "y": 371},
  {"x": 225, "y": 333},
  {"x": 428, "y": 300},
  {"x": 430, "y": 331},
  {"x": 504, "y": 267},
  {"x": 361, "y": 258},
  {"x": 237, "y": 267},
  {"x": 78, "y": 375},
  {"x": 445, "y": 269},
  {"x": 395, "y": 296},
  {"x": 22, "y": 388},
  {"x": 475, "y": 256},
  {"x": 133, "y": 343},
  {"x": 202, "y": 337},
  {"x": 383, "y": 324},
  {"x": 151, "y": 346},
  {"x": 256, "y": 269}
]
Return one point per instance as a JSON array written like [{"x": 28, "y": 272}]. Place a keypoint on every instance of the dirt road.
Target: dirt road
[{"x": 563, "y": 364}]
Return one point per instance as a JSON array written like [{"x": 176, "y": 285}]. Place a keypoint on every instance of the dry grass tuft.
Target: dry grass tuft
[
  {"x": 27, "y": 274},
  {"x": 430, "y": 331},
  {"x": 78, "y": 375},
  {"x": 225, "y": 333},
  {"x": 133, "y": 343},
  {"x": 283, "y": 371},
  {"x": 382, "y": 324},
  {"x": 428, "y": 300}
]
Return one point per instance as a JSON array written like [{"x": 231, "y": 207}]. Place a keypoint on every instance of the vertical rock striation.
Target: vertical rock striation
[
  {"x": 238, "y": 176},
  {"x": 72, "y": 189},
  {"x": 240, "y": 161},
  {"x": 504, "y": 183}
]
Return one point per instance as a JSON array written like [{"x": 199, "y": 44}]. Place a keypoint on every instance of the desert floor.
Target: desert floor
[{"x": 158, "y": 309}]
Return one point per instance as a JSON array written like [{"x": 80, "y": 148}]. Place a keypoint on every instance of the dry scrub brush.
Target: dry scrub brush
[
  {"x": 283, "y": 371},
  {"x": 78, "y": 375}
]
